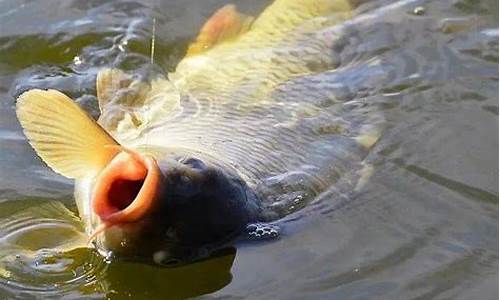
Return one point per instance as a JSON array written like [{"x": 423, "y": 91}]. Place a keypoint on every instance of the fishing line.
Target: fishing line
[
  {"x": 153, "y": 37},
  {"x": 153, "y": 41}
]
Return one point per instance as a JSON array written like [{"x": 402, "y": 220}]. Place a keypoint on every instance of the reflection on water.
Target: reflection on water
[
  {"x": 44, "y": 252},
  {"x": 424, "y": 225},
  {"x": 169, "y": 283}
]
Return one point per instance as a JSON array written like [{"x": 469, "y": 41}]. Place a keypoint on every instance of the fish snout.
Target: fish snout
[{"x": 126, "y": 190}]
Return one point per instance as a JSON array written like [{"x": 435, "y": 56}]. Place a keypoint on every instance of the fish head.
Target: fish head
[
  {"x": 136, "y": 202},
  {"x": 176, "y": 205}
]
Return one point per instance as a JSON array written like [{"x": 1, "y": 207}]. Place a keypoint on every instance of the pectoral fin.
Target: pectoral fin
[
  {"x": 224, "y": 25},
  {"x": 108, "y": 83},
  {"x": 65, "y": 137}
]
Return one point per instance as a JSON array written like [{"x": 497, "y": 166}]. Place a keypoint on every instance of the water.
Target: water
[{"x": 423, "y": 226}]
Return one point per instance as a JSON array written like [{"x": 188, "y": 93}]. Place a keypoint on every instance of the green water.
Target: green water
[{"x": 424, "y": 226}]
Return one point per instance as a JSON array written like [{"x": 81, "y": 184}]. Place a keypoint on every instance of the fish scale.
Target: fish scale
[
  {"x": 247, "y": 98},
  {"x": 257, "y": 102},
  {"x": 243, "y": 114}
]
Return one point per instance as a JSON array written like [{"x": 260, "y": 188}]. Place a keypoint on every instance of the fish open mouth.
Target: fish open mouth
[
  {"x": 123, "y": 192},
  {"x": 126, "y": 189}
]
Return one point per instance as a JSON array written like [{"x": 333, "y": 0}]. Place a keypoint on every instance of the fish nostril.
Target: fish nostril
[{"x": 195, "y": 163}]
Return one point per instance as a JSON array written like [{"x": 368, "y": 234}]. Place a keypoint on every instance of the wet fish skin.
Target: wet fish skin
[
  {"x": 247, "y": 120},
  {"x": 264, "y": 102},
  {"x": 200, "y": 205}
]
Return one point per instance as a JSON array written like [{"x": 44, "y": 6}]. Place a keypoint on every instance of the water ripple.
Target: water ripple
[{"x": 44, "y": 254}]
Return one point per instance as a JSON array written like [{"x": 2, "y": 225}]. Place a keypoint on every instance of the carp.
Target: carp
[{"x": 247, "y": 129}]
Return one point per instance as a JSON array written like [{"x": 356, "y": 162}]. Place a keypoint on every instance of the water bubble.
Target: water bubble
[
  {"x": 159, "y": 257},
  {"x": 252, "y": 227},
  {"x": 77, "y": 60},
  {"x": 419, "y": 10},
  {"x": 260, "y": 231}
]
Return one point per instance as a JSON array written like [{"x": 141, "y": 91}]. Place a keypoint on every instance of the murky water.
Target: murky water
[{"x": 424, "y": 226}]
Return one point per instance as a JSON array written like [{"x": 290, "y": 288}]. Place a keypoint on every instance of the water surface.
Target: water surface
[{"x": 423, "y": 226}]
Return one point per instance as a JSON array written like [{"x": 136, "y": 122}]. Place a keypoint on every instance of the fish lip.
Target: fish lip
[{"x": 127, "y": 166}]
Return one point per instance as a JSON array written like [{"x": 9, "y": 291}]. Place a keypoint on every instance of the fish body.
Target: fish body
[{"x": 249, "y": 118}]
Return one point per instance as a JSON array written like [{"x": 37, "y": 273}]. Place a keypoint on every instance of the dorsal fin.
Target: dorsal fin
[
  {"x": 224, "y": 25},
  {"x": 65, "y": 137},
  {"x": 284, "y": 15}
]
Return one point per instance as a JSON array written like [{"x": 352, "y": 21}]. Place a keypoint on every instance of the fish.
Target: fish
[{"x": 248, "y": 128}]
